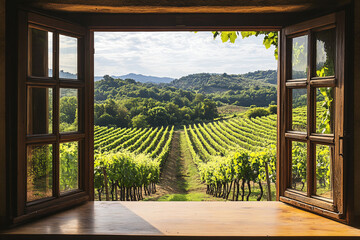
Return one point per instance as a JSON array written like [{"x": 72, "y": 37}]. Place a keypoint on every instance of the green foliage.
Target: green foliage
[
  {"x": 140, "y": 121},
  {"x": 132, "y": 162},
  {"x": 125, "y": 168},
  {"x": 68, "y": 166},
  {"x": 326, "y": 117},
  {"x": 270, "y": 38},
  {"x": 233, "y": 152},
  {"x": 39, "y": 172},
  {"x": 272, "y": 109},
  {"x": 130, "y": 103},
  {"x": 68, "y": 109},
  {"x": 257, "y": 112},
  {"x": 158, "y": 116}
]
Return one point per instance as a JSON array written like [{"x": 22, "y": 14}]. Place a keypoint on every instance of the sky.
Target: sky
[{"x": 177, "y": 54}]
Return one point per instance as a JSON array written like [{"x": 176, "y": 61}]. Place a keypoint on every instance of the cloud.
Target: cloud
[{"x": 176, "y": 54}]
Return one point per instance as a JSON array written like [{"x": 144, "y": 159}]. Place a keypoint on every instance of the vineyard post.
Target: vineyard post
[
  {"x": 268, "y": 182},
  {"x": 106, "y": 185}
]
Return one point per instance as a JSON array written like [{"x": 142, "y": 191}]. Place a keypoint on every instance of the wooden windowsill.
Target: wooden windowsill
[{"x": 139, "y": 220}]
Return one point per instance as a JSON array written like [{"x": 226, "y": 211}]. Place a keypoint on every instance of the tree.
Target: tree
[
  {"x": 68, "y": 107},
  {"x": 105, "y": 120},
  {"x": 140, "y": 121},
  {"x": 209, "y": 109},
  {"x": 158, "y": 116}
]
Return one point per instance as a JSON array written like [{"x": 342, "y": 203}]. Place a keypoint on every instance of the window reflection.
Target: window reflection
[
  {"x": 299, "y": 110},
  {"x": 325, "y": 110},
  {"x": 68, "y": 57},
  {"x": 40, "y": 110},
  {"x": 324, "y": 182},
  {"x": 40, "y": 53},
  {"x": 299, "y": 57},
  {"x": 299, "y": 162},
  {"x": 68, "y": 110},
  {"x": 39, "y": 172},
  {"x": 68, "y": 166},
  {"x": 325, "y": 53}
]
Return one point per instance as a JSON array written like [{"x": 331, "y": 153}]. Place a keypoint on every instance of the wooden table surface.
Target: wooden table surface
[{"x": 186, "y": 219}]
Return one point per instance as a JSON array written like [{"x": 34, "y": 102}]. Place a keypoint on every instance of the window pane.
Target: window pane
[
  {"x": 299, "y": 110},
  {"x": 325, "y": 53},
  {"x": 40, "y": 53},
  {"x": 299, "y": 162},
  {"x": 69, "y": 166},
  {"x": 299, "y": 57},
  {"x": 324, "y": 157},
  {"x": 68, "y": 57},
  {"x": 40, "y": 110},
  {"x": 325, "y": 110},
  {"x": 39, "y": 172},
  {"x": 68, "y": 110}
]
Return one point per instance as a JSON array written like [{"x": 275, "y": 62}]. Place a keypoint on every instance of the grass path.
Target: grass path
[{"x": 180, "y": 180}]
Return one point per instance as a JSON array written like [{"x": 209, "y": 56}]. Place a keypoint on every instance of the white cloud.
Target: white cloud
[{"x": 176, "y": 54}]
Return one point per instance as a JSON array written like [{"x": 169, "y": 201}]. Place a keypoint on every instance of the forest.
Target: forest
[{"x": 127, "y": 103}]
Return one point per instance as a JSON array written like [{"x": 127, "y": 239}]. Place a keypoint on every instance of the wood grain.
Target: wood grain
[
  {"x": 242, "y": 219},
  {"x": 185, "y": 6},
  {"x": 356, "y": 107},
  {"x": 2, "y": 114}
]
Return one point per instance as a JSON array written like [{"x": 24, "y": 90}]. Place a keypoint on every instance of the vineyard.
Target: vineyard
[
  {"x": 128, "y": 161},
  {"x": 230, "y": 155}
]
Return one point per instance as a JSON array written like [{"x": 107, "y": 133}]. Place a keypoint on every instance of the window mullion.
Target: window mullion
[
  {"x": 310, "y": 118},
  {"x": 56, "y": 116}
]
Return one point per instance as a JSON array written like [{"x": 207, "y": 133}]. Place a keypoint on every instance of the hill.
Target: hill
[
  {"x": 214, "y": 83},
  {"x": 139, "y": 78}
]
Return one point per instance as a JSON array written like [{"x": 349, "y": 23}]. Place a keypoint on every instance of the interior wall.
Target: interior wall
[
  {"x": 356, "y": 64},
  {"x": 2, "y": 114}
]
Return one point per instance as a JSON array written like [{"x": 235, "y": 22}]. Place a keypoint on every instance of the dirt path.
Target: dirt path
[
  {"x": 180, "y": 180},
  {"x": 171, "y": 179}
]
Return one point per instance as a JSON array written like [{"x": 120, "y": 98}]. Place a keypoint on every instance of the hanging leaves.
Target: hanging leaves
[{"x": 270, "y": 38}]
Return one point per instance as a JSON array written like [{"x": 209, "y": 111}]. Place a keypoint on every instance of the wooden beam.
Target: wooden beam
[
  {"x": 184, "y": 6},
  {"x": 2, "y": 116}
]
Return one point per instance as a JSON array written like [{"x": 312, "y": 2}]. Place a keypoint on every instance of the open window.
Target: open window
[
  {"x": 311, "y": 116},
  {"x": 55, "y": 116},
  {"x": 53, "y": 135}
]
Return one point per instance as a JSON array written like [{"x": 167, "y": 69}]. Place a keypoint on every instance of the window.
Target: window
[
  {"x": 53, "y": 134},
  {"x": 311, "y": 124}
]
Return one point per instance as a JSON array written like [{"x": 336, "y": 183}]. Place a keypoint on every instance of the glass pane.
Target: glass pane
[
  {"x": 39, "y": 172},
  {"x": 69, "y": 166},
  {"x": 324, "y": 157},
  {"x": 40, "y": 110},
  {"x": 299, "y": 162},
  {"x": 299, "y": 57},
  {"x": 299, "y": 110},
  {"x": 68, "y": 110},
  {"x": 40, "y": 53},
  {"x": 325, "y": 53},
  {"x": 325, "y": 110},
  {"x": 68, "y": 57}
]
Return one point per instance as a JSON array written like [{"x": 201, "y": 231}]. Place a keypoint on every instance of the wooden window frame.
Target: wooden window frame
[
  {"x": 86, "y": 67},
  {"x": 334, "y": 208},
  {"x": 27, "y": 210}
]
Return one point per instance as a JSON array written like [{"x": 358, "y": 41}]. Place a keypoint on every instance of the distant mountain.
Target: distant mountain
[
  {"x": 214, "y": 82},
  {"x": 140, "y": 78},
  {"x": 65, "y": 75}
]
